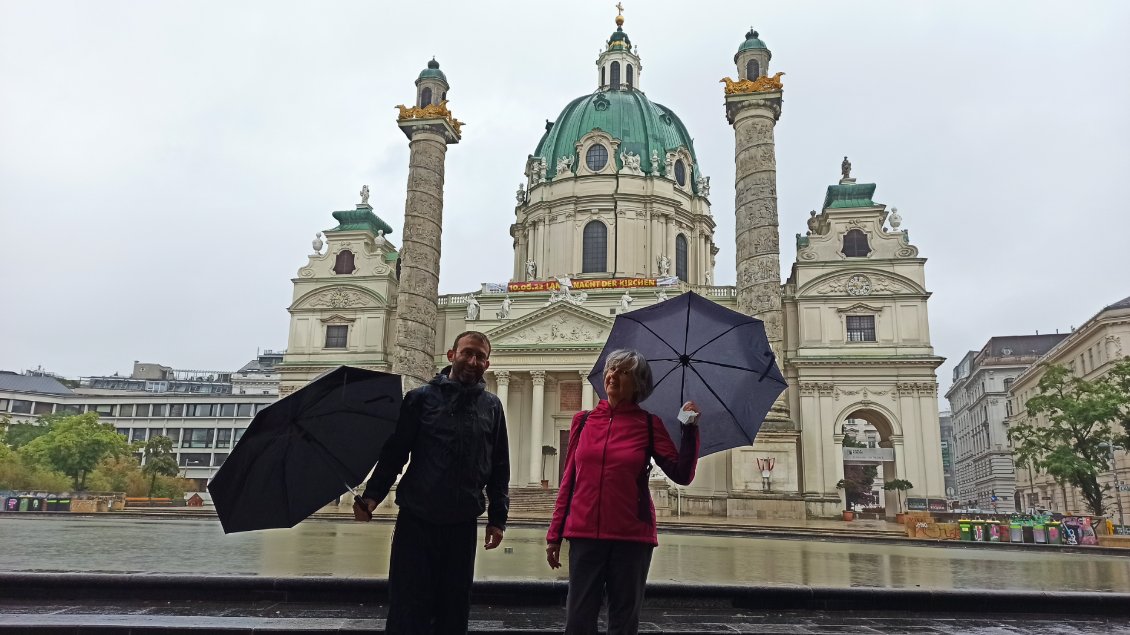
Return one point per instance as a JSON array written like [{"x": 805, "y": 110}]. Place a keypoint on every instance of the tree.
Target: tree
[
  {"x": 159, "y": 460},
  {"x": 1072, "y": 445},
  {"x": 75, "y": 445},
  {"x": 17, "y": 435},
  {"x": 901, "y": 486}
]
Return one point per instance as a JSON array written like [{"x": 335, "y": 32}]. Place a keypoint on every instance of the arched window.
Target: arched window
[
  {"x": 631, "y": 77},
  {"x": 425, "y": 97},
  {"x": 680, "y": 173},
  {"x": 343, "y": 265},
  {"x": 752, "y": 69},
  {"x": 681, "y": 257},
  {"x": 595, "y": 256},
  {"x": 615, "y": 76},
  {"x": 855, "y": 244},
  {"x": 597, "y": 157}
]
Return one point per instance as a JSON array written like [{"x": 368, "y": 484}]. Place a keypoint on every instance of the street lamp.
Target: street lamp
[{"x": 1110, "y": 448}]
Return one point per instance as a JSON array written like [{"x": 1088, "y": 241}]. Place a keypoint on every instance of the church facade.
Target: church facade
[{"x": 613, "y": 215}]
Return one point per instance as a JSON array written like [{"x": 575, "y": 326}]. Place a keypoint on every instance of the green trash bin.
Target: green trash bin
[
  {"x": 965, "y": 528},
  {"x": 980, "y": 533}
]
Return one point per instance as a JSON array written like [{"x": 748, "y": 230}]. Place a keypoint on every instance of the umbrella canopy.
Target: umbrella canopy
[
  {"x": 699, "y": 350},
  {"x": 307, "y": 449}
]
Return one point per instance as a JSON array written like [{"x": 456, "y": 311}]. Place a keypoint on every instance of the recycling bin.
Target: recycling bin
[
  {"x": 994, "y": 531},
  {"x": 12, "y": 504},
  {"x": 965, "y": 529},
  {"x": 1015, "y": 532},
  {"x": 1055, "y": 533},
  {"x": 979, "y": 534},
  {"x": 1040, "y": 534}
]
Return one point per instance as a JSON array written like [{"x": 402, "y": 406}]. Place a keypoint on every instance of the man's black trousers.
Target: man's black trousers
[
  {"x": 429, "y": 577},
  {"x": 617, "y": 568}
]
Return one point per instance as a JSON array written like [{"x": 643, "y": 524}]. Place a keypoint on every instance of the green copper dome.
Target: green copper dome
[
  {"x": 640, "y": 124},
  {"x": 432, "y": 71},
  {"x": 752, "y": 42}
]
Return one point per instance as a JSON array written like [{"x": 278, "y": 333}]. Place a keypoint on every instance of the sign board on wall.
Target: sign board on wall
[
  {"x": 584, "y": 285},
  {"x": 917, "y": 504},
  {"x": 868, "y": 455}
]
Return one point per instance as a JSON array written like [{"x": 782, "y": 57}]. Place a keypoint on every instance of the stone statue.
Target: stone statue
[
  {"x": 317, "y": 243},
  {"x": 631, "y": 162},
  {"x": 504, "y": 312},
  {"x": 625, "y": 302},
  {"x": 707, "y": 275},
  {"x": 661, "y": 295},
  {"x": 704, "y": 186},
  {"x": 654, "y": 163},
  {"x": 894, "y": 218},
  {"x": 531, "y": 270},
  {"x": 812, "y": 222},
  {"x": 669, "y": 168},
  {"x": 664, "y": 264},
  {"x": 364, "y": 194},
  {"x": 564, "y": 166},
  {"x": 539, "y": 171},
  {"x": 520, "y": 195},
  {"x": 472, "y": 308},
  {"x": 845, "y": 168}
]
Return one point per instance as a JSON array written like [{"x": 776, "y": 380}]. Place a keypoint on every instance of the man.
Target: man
[{"x": 455, "y": 432}]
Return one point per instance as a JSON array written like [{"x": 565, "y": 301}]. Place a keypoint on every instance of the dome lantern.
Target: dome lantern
[
  {"x": 752, "y": 58},
  {"x": 431, "y": 85},
  {"x": 618, "y": 66}
]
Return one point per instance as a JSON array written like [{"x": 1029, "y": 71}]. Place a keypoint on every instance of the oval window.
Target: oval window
[
  {"x": 596, "y": 158},
  {"x": 680, "y": 173}
]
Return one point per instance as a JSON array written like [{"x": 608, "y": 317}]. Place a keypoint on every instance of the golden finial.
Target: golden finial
[{"x": 619, "y": 14}]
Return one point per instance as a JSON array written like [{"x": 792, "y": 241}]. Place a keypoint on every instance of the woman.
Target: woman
[{"x": 604, "y": 507}]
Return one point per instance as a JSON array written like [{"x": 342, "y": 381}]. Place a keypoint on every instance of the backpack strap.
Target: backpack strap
[
  {"x": 643, "y": 494},
  {"x": 569, "y": 455}
]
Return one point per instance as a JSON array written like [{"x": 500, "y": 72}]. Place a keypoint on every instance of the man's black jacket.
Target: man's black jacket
[{"x": 456, "y": 435}]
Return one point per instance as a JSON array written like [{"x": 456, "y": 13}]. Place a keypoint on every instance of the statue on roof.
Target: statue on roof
[
  {"x": 845, "y": 168},
  {"x": 472, "y": 308},
  {"x": 364, "y": 194}
]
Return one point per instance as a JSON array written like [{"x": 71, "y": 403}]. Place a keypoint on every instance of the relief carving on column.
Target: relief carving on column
[{"x": 906, "y": 389}]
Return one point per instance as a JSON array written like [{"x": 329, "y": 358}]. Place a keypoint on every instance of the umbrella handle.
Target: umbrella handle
[{"x": 360, "y": 501}]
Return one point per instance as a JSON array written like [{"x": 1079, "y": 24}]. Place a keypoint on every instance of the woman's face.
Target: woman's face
[{"x": 619, "y": 385}]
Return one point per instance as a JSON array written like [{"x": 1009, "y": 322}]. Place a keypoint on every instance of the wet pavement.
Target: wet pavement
[
  {"x": 205, "y": 618},
  {"x": 346, "y": 549}
]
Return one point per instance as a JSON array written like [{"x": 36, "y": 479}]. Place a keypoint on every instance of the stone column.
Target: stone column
[
  {"x": 588, "y": 395},
  {"x": 753, "y": 116},
  {"x": 669, "y": 245},
  {"x": 416, "y": 310},
  {"x": 838, "y": 451},
  {"x": 502, "y": 379},
  {"x": 537, "y": 416}
]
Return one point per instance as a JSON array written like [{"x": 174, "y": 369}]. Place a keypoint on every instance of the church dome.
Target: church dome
[
  {"x": 432, "y": 71},
  {"x": 752, "y": 41},
  {"x": 641, "y": 125}
]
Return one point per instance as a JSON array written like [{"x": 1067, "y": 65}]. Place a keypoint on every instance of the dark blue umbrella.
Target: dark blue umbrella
[
  {"x": 699, "y": 350},
  {"x": 307, "y": 449}
]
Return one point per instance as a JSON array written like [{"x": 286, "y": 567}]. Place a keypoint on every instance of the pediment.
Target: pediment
[
  {"x": 559, "y": 324},
  {"x": 339, "y": 297},
  {"x": 860, "y": 283}
]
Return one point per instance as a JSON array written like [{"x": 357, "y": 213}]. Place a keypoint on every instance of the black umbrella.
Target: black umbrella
[
  {"x": 307, "y": 449},
  {"x": 699, "y": 350}
]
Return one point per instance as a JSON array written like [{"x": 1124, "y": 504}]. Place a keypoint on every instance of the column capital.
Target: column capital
[
  {"x": 584, "y": 374},
  {"x": 502, "y": 377},
  {"x": 738, "y": 106},
  {"x": 538, "y": 377}
]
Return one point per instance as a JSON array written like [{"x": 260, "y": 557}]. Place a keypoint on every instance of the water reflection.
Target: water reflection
[{"x": 347, "y": 549}]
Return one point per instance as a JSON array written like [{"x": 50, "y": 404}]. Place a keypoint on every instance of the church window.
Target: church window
[
  {"x": 337, "y": 335},
  {"x": 680, "y": 173},
  {"x": 855, "y": 244},
  {"x": 602, "y": 77},
  {"x": 596, "y": 157},
  {"x": 681, "y": 257},
  {"x": 631, "y": 77},
  {"x": 343, "y": 265},
  {"x": 425, "y": 97},
  {"x": 861, "y": 328},
  {"x": 752, "y": 69},
  {"x": 595, "y": 256},
  {"x": 615, "y": 76}
]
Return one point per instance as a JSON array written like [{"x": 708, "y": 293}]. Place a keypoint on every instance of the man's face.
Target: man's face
[{"x": 469, "y": 360}]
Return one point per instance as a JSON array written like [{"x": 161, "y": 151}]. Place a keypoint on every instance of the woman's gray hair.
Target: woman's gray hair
[{"x": 636, "y": 364}]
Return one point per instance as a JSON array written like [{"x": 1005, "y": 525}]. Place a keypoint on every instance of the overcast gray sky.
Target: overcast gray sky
[{"x": 164, "y": 166}]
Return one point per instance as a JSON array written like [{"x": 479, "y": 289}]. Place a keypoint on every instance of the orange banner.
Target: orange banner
[{"x": 581, "y": 285}]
